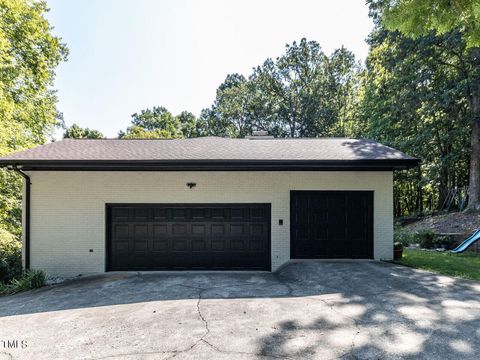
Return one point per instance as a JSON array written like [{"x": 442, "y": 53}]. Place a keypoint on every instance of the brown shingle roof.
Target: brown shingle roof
[
  {"x": 211, "y": 148},
  {"x": 208, "y": 149}
]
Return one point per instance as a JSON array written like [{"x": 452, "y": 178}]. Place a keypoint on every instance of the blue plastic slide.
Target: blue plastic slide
[{"x": 467, "y": 242}]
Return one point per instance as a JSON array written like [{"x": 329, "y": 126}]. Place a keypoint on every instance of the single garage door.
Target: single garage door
[
  {"x": 188, "y": 236},
  {"x": 331, "y": 224}
]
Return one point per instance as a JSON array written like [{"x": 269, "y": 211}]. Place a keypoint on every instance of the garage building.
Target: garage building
[{"x": 205, "y": 203}]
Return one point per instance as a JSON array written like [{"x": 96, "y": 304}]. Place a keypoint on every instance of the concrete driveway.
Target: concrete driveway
[{"x": 319, "y": 309}]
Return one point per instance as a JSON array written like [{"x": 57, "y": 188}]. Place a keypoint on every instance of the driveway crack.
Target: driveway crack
[
  {"x": 199, "y": 311},
  {"x": 357, "y": 327}
]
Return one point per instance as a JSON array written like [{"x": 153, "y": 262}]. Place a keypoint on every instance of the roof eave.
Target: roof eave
[{"x": 211, "y": 165}]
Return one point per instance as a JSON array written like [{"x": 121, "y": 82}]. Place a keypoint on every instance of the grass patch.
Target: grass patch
[
  {"x": 462, "y": 265},
  {"x": 29, "y": 280}
]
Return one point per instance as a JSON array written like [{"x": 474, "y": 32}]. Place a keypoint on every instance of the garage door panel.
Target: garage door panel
[
  {"x": 199, "y": 214},
  {"x": 159, "y": 230},
  {"x": 140, "y": 230},
  {"x": 120, "y": 230},
  {"x": 331, "y": 224},
  {"x": 257, "y": 229},
  {"x": 199, "y": 245},
  {"x": 181, "y": 245},
  {"x": 140, "y": 214},
  {"x": 238, "y": 245},
  {"x": 160, "y": 245},
  {"x": 237, "y": 214},
  {"x": 219, "y": 214},
  {"x": 217, "y": 229},
  {"x": 219, "y": 244},
  {"x": 179, "y": 214},
  {"x": 179, "y": 229},
  {"x": 198, "y": 229},
  {"x": 191, "y": 236},
  {"x": 160, "y": 214},
  {"x": 140, "y": 246},
  {"x": 256, "y": 245},
  {"x": 258, "y": 214},
  {"x": 120, "y": 214},
  {"x": 121, "y": 246},
  {"x": 237, "y": 229}
]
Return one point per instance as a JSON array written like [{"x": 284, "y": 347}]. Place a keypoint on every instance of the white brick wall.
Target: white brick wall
[{"x": 68, "y": 208}]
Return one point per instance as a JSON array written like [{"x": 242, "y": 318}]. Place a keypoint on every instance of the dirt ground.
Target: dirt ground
[{"x": 451, "y": 223}]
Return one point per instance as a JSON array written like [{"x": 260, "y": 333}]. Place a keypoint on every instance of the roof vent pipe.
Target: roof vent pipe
[{"x": 259, "y": 135}]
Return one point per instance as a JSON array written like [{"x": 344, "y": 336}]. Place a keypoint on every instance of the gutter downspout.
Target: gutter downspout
[{"x": 27, "y": 215}]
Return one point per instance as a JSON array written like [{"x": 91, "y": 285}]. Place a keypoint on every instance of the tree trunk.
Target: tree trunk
[
  {"x": 419, "y": 200},
  {"x": 443, "y": 186},
  {"x": 474, "y": 185}
]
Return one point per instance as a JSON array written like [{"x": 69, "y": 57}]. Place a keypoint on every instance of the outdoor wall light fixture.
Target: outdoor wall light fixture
[{"x": 191, "y": 185}]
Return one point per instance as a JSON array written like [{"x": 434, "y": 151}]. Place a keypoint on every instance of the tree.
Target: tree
[
  {"x": 76, "y": 132},
  {"x": 303, "y": 93},
  {"x": 422, "y": 17},
  {"x": 410, "y": 100},
  {"x": 190, "y": 126},
  {"x": 138, "y": 132},
  {"x": 159, "y": 123},
  {"x": 297, "y": 84},
  {"x": 156, "y": 123},
  {"x": 29, "y": 54}
]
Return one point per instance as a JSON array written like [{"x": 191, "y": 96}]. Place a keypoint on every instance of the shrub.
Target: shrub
[
  {"x": 404, "y": 237},
  {"x": 425, "y": 238},
  {"x": 10, "y": 257},
  {"x": 441, "y": 240},
  {"x": 29, "y": 280}
]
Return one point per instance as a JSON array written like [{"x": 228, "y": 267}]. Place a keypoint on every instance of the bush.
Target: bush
[
  {"x": 425, "y": 238},
  {"x": 29, "y": 280},
  {"x": 440, "y": 240},
  {"x": 10, "y": 257},
  {"x": 404, "y": 237}
]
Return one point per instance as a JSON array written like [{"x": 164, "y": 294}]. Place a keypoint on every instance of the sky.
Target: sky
[{"x": 128, "y": 55}]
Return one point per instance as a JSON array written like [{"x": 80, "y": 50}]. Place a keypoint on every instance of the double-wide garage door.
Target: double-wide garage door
[
  {"x": 331, "y": 224},
  {"x": 188, "y": 236}
]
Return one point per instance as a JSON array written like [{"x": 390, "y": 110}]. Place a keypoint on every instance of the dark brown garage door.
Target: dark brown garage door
[
  {"x": 188, "y": 236},
  {"x": 331, "y": 224}
]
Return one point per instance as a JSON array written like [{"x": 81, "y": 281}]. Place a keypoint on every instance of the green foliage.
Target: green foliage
[
  {"x": 10, "y": 202},
  {"x": 462, "y": 265},
  {"x": 420, "y": 17},
  {"x": 10, "y": 257},
  {"x": 156, "y": 123},
  {"x": 404, "y": 237},
  {"x": 412, "y": 101},
  {"x": 303, "y": 93},
  {"x": 425, "y": 238},
  {"x": 29, "y": 280},
  {"x": 159, "y": 123},
  {"x": 76, "y": 132},
  {"x": 441, "y": 240},
  {"x": 454, "y": 27},
  {"x": 29, "y": 54},
  {"x": 190, "y": 126}
]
